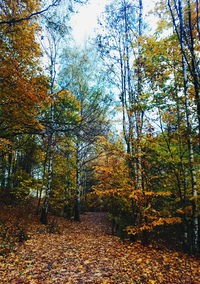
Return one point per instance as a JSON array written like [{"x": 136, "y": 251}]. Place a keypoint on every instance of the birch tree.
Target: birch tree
[
  {"x": 120, "y": 47},
  {"x": 77, "y": 73},
  {"x": 186, "y": 29}
]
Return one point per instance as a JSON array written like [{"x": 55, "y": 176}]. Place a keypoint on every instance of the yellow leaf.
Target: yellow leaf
[
  {"x": 28, "y": 261},
  {"x": 86, "y": 262}
]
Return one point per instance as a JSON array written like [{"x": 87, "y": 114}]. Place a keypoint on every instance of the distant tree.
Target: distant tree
[{"x": 78, "y": 74}]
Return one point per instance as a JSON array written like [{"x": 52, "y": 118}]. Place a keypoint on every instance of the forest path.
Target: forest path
[{"x": 86, "y": 252}]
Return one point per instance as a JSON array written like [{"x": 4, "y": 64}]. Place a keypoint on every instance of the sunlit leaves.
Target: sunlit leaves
[{"x": 23, "y": 88}]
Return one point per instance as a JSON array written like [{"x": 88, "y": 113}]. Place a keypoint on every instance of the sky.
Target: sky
[{"x": 84, "y": 21}]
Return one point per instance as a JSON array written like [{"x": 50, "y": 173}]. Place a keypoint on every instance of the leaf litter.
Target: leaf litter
[{"x": 86, "y": 252}]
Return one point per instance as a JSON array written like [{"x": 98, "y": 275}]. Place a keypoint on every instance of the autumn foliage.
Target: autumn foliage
[
  {"x": 89, "y": 252},
  {"x": 23, "y": 87},
  {"x": 62, "y": 153}
]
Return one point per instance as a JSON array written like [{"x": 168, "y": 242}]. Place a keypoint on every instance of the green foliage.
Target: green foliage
[{"x": 131, "y": 209}]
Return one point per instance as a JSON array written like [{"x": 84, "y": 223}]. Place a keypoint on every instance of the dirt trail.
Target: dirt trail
[{"x": 86, "y": 252}]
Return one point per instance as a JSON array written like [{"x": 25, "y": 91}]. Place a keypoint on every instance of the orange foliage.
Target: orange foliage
[
  {"x": 114, "y": 180},
  {"x": 23, "y": 88},
  {"x": 86, "y": 252}
]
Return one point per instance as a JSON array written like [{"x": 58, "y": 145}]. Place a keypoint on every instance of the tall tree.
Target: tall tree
[
  {"x": 55, "y": 30},
  {"x": 78, "y": 74},
  {"x": 23, "y": 87},
  {"x": 120, "y": 47},
  {"x": 186, "y": 40},
  {"x": 185, "y": 18},
  {"x": 167, "y": 68}
]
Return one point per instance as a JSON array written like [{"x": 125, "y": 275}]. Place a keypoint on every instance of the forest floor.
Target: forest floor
[{"x": 86, "y": 252}]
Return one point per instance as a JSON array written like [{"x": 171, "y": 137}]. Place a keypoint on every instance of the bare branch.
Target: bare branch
[{"x": 28, "y": 17}]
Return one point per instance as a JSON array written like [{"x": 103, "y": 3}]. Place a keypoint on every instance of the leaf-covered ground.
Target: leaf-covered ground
[{"x": 86, "y": 252}]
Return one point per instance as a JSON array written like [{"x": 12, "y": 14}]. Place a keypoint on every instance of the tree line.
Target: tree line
[{"x": 155, "y": 187}]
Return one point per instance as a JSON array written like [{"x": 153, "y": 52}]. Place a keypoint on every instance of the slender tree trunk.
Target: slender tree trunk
[
  {"x": 10, "y": 170},
  {"x": 123, "y": 98},
  {"x": 189, "y": 138},
  {"x": 52, "y": 53},
  {"x": 45, "y": 206},
  {"x": 3, "y": 171},
  {"x": 77, "y": 198},
  {"x": 187, "y": 45},
  {"x": 49, "y": 158},
  {"x": 139, "y": 112},
  {"x": 194, "y": 64},
  {"x": 44, "y": 212}
]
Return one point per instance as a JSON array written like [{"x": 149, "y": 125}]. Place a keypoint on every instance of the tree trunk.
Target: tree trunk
[
  {"x": 139, "y": 111},
  {"x": 189, "y": 138},
  {"x": 44, "y": 212},
  {"x": 77, "y": 198}
]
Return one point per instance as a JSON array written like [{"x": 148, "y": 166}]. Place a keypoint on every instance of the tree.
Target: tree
[
  {"x": 23, "y": 89},
  {"x": 169, "y": 76},
  {"x": 132, "y": 210},
  {"x": 30, "y": 102},
  {"x": 187, "y": 41},
  {"x": 120, "y": 47},
  {"x": 77, "y": 74},
  {"x": 54, "y": 30},
  {"x": 30, "y": 14},
  {"x": 185, "y": 18},
  {"x": 23, "y": 86}
]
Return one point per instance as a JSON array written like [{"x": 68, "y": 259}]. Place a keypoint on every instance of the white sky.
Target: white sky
[{"x": 85, "y": 21}]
